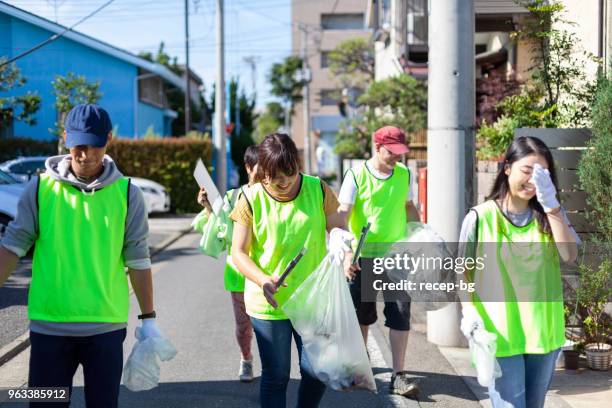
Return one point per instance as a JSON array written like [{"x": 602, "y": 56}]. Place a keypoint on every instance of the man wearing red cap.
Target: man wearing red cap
[{"x": 378, "y": 192}]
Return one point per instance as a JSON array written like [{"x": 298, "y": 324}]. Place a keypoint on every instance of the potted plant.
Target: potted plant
[
  {"x": 573, "y": 330},
  {"x": 593, "y": 292}
]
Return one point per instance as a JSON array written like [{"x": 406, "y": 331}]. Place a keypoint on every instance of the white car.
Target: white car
[
  {"x": 156, "y": 198},
  {"x": 10, "y": 191},
  {"x": 24, "y": 168}
]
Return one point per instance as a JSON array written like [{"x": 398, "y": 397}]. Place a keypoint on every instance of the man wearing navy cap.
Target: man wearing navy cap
[
  {"x": 378, "y": 192},
  {"x": 88, "y": 223}
]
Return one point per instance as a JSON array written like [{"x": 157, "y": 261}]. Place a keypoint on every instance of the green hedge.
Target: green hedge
[
  {"x": 18, "y": 146},
  {"x": 169, "y": 162}
]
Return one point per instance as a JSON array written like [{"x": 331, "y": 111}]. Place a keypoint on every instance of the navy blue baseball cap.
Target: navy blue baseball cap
[{"x": 87, "y": 124}]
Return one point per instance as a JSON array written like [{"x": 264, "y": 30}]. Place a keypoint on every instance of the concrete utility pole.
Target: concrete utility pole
[
  {"x": 220, "y": 137},
  {"x": 252, "y": 60},
  {"x": 306, "y": 100},
  {"x": 450, "y": 139},
  {"x": 187, "y": 81}
]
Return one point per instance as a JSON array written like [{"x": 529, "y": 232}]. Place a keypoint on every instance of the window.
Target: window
[
  {"x": 151, "y": 90},
  {"x": 34, "y": 166},
  {"x": 325, "y": 59},
  {"x": 329, "y": 97},
  {"x": 6, "y": 179},
  {"x": 416, "y": 23},
  {"x": 348, "y": 21}
]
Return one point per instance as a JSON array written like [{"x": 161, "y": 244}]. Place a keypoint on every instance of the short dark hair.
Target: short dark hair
[
  {"x": 277, "y": 153},
  {"x": 250, "y": 156}
]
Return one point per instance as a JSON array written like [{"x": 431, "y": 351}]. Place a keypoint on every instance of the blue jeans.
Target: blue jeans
[
  {"x": 525, "y": 380},
  {"x": 274, "y": 343},
  {"x": 54, "y": 360}
]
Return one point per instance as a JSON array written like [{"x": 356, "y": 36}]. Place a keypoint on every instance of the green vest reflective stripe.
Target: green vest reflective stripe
[
  {"x": 382, "y": 202},
  {"x": 78, "y": 272},
  {"x": 233, "y": 280},
  {"x": 280, "y": 231},
  {"x": 522, "y": 263}
]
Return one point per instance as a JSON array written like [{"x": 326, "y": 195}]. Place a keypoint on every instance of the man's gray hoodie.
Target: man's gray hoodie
[{"x": 23, "y": 232}]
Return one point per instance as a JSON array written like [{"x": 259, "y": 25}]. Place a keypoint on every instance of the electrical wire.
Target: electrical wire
[{"x": 55, "y": 36}]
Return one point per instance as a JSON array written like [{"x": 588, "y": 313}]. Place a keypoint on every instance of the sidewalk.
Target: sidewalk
[
  {"x": 164, "y": 229},
  {"x": 582, "y": 389}
]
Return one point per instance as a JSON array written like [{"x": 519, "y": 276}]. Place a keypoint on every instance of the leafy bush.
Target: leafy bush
[
  {"x": 169, "y": 162},
  {"x": 559, "y": 92},
  {"x": 399, "y": 101},
  {"x": 516, "y": 111},
  {"x": 595, "y": 167},
  {"x": 593, "y": 292},
  {"x": 19, "y": 146},
  {"x": 496, "y": 137}
]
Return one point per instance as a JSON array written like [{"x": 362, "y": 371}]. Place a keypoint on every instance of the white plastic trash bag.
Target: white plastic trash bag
[
  {"x": 214, "y": 230},
  {"x": 141, "y": 371},
  {"x": 482, "y": 348},
  {"x": 430, "y": 255},
  {"x": 321, "y": 311}
]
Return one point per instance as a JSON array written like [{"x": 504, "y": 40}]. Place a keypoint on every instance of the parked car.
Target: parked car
[
  {"x": 10, "y": 191},
  {"x": 24, "y": 168},
  {"x": 156, "y": 198}
]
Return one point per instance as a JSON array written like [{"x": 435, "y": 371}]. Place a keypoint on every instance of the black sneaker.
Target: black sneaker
[{"x": 401, "y": 385}]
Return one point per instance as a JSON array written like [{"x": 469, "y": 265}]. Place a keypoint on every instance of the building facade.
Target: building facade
[
  {"x": 133, "y": 89},
  {"x": 327, "y": 24}
]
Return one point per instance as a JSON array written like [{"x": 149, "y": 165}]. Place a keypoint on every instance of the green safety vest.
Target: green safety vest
[
  {"x": 382, "y": 202},
  {"x": 78, "y": 272},
  {"x": 280, "y": 231},
  {"x": 232, "y": 279},
  {"x": 521, "y": 265}
]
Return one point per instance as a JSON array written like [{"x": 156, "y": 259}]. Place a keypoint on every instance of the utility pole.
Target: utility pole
[
  {"x": 220, "y": 138},
  {"x": 252, "y": 60},
  {"x": 450, "y": 137},
  {"x": 187, "y": 81},
  {"x": 306, "y": 99}
]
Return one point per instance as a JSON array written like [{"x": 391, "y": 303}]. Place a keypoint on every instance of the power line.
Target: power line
[{"x": 55, "y": 36}]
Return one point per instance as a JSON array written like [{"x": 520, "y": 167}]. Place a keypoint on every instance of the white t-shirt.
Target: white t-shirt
[{"x": 348, "y": 190}]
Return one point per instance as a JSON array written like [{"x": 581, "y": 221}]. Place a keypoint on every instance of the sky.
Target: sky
[{"x": 259, "y": 28}]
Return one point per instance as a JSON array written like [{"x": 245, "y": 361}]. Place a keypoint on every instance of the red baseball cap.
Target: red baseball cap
[{"x": 393, "y": 138}]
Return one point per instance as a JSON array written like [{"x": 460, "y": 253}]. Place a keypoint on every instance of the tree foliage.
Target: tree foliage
[
  {"x": 352, "y": 63},
  {"x": 241, "y": 136},
  {"x": 559, "y": 93},
  {"x": 15, "y": 107},
  {"x": 400, "y": 101},
  {"x": 269, "y": 121},
  {"x": 558, "y": 64},
  {"x": 595, "y": 167},
  {"x": 286, "y": 82},
  {"x": 72, "y": 90}
]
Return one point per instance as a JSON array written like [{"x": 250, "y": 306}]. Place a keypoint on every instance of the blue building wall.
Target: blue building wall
[
  {"x": 61, "y": 57},
  {"x": 148, "y": 115}
]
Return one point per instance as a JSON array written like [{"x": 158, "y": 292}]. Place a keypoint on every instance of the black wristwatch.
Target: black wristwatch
[{"x": 147, "y": 315}]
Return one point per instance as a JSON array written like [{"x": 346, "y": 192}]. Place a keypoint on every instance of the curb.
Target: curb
[
  {"x": 11, "y": 350},
  {"x": 21, "y": 343}
]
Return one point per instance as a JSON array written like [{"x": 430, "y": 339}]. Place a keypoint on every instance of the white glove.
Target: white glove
[
  {"x": 339, "y": 243},
  {"x": 545, "y": 189},
  {"x": 470, "y": 321},
  {"x": 149, "y": 329}
]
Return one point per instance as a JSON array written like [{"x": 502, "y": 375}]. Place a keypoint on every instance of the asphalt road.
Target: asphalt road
[{"x": 195, "y": 313}]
